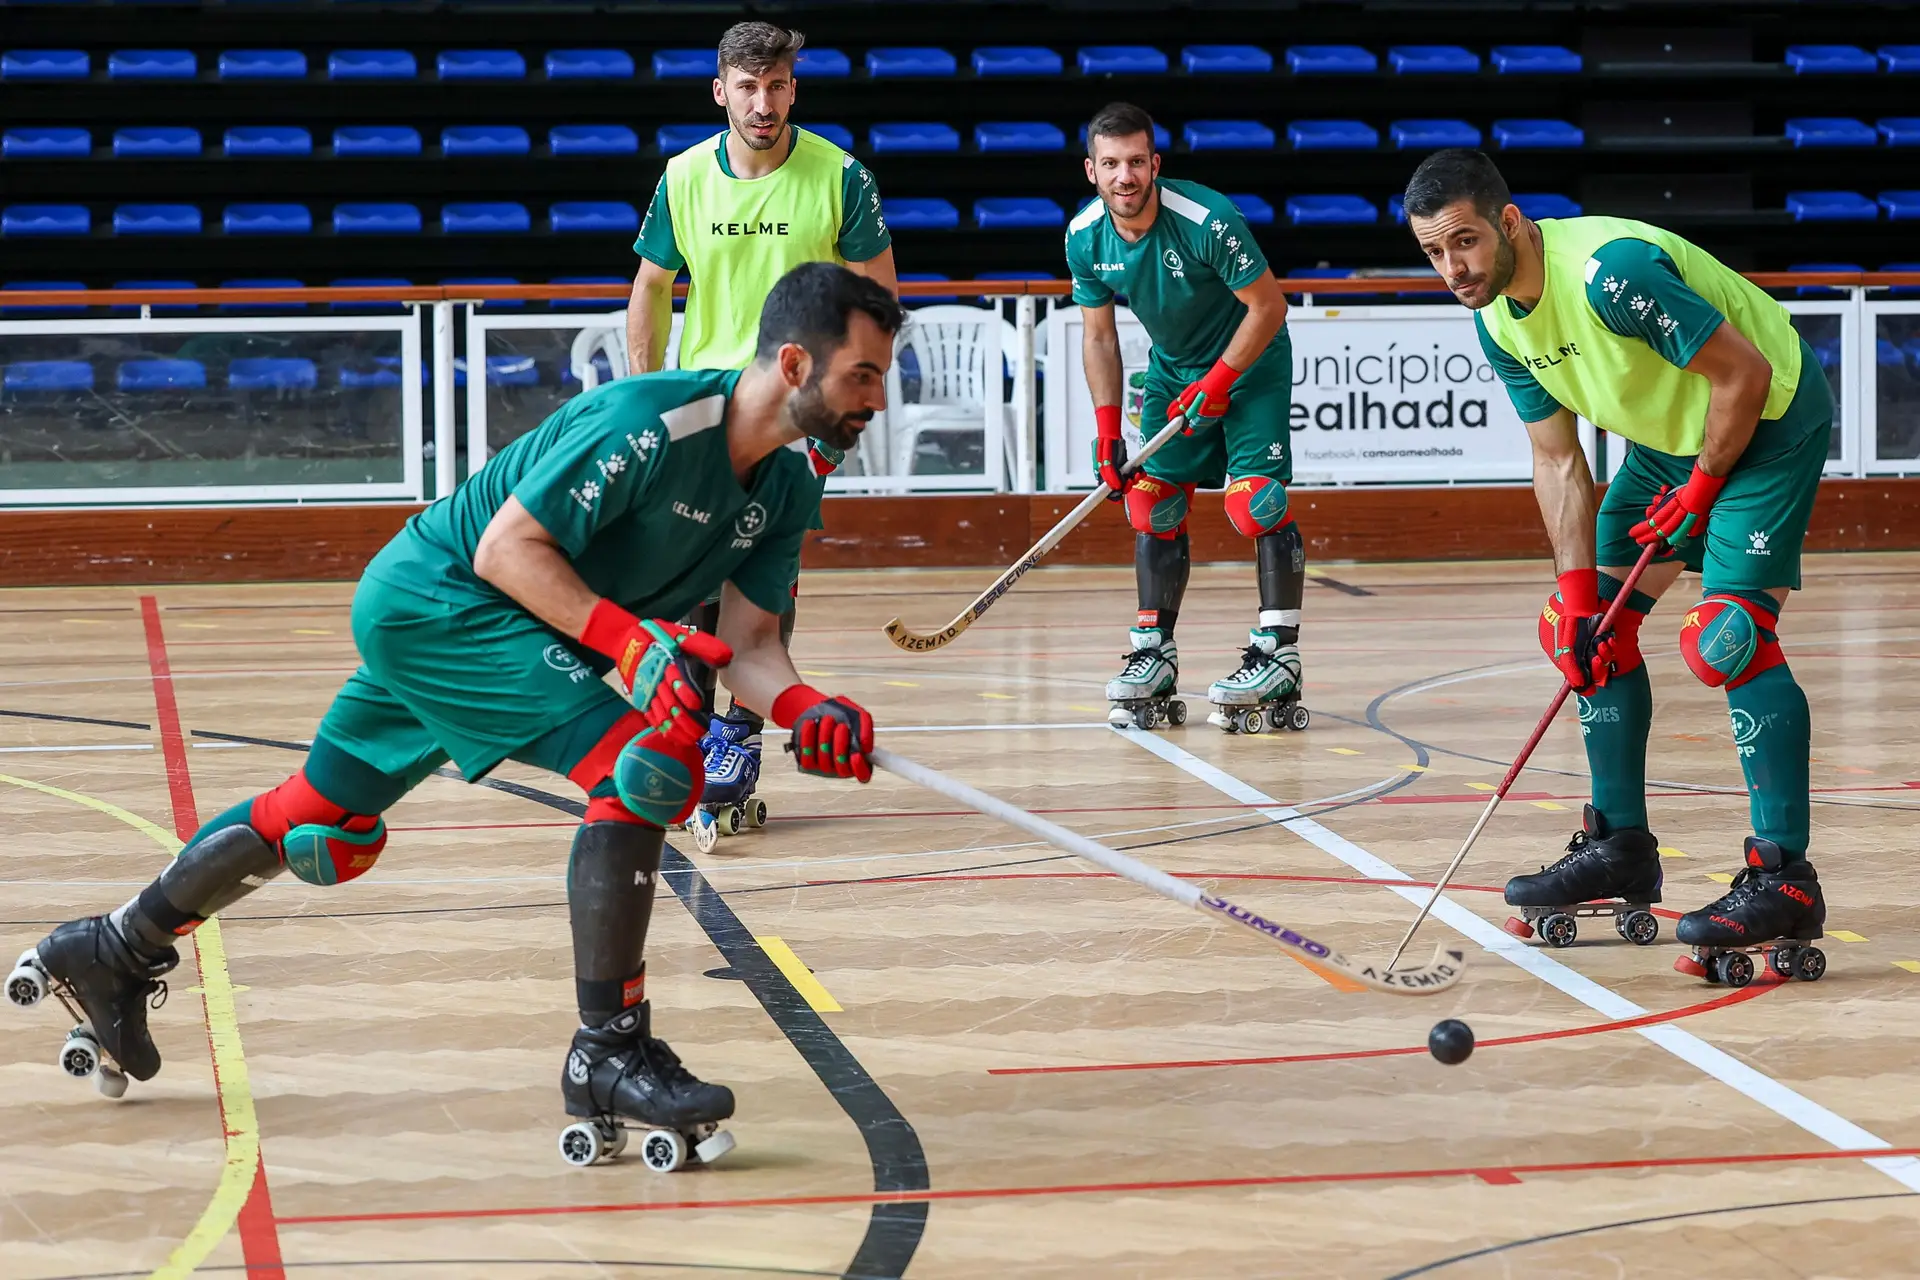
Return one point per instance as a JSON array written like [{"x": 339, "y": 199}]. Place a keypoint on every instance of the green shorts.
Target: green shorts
[
  {"x": 1255, "y": 438},
  {"x": 476, "y": 683},
  {"x": 1755, "y": 529}
]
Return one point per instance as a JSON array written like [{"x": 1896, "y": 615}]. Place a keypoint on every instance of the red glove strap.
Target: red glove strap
[
  {"x": 1220, "y": 379},
  {"x": 607, "y": 629},
  {"x": 1106, "y": 421},
  {"x": 1703, "y": 488},
  {"x": 1580, "y": 592},
  {"x": 793, "y": 700}
]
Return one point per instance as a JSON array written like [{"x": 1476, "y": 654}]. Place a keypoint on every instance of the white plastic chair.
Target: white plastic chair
[
  {"x": 608, "y": 340},
  {"x": 960, "y": 385}
]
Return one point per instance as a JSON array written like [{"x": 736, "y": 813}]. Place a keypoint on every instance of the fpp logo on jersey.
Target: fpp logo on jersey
[
  {"x": 749, "y": 524},
  {"x": 1175, "y": 264}
]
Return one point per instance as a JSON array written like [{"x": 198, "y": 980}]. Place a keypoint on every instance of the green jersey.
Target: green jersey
[
  {"x": 634, "y": 482},
  {"x": 737, "y": 236},
  {"x": 1178, "y": 279}
]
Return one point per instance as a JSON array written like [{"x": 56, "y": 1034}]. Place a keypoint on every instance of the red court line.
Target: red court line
[
  {"x": 1497, "y": 1175},
  {"x": 259, "y": 1239}
]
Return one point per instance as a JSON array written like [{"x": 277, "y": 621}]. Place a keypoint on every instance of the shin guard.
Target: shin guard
[
  {"x": 1160, "y": 570},
  {"x": 1282, "y": 560},
  {"x": 210, "y": 874},
  {"x": 610, "y": 880}
]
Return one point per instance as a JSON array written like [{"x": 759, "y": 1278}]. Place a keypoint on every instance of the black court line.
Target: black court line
[{"x": 48, "y": 715}]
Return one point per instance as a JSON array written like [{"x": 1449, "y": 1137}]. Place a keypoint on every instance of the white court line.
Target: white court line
[
  {"x": 115, "y": 746},
  {"x": 1826, "y": 1125}
]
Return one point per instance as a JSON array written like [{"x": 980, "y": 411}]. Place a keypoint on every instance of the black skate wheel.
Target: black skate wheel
[
  {"x": 1638, "y": 927},
  {"x": 663, "y": 1150},
  {"x": 756, "y": 813},
  {"x": 1145, "y": 717},
  {"x": 1559, "y": 930},
  {"x": 1813, "y": 964},
  {"x": 1783, "y": 960},
  {"x": 1298, "y": 717},
  {"x": 1251, "y": 721},
  {"x": 1176, "y": 713},
  {"x": 1277, "y": 718},
  {"x": 1736, "y": 968},
  {"x": 1715, "y": 974},
  {"x": 726, "y": 819}
]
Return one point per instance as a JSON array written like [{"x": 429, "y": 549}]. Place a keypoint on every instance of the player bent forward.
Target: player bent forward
[
  {"x": 1729, "y": 417},
  {"x": 1200, "y": 286},
  {"x": 481, "y": 627}
]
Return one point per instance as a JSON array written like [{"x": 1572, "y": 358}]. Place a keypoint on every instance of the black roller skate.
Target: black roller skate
[
  {"x": 1773, "y": 909},
  {"x": 1608, "y": 873},
  {"x": 107, "y": 987},
  {"x": 620, "y": 1078}
]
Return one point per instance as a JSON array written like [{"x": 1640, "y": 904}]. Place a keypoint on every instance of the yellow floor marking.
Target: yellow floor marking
[
  {"x": 1483, "y": 786},
  {"x": 817, "y": 673},
  {"x": 309, "y": 631},
  {"x": 229, "y": 1063},
  {"x": 85, "y": 622},
  {"x": 1414, "y": 768},
  {"x": 1720, "y": 876},
  {"x": 198, "y": 626},
  {"x": 1668, "y": 851},
  {"x": 902, "y": 684},
  {"x": 1004, "y": 697},
  {"x": 799, "y": 975},
  {"x": 1911, "y": 966},
  {"x": 1847, "y": 768},
  {"x": 1316, "y": 573},
  {"x": 1547, "y": 804},
  {"x": 1343, "y": 751},
  {"x": 1074, "y": 706},
  {"x": 1844, "y": 935}
]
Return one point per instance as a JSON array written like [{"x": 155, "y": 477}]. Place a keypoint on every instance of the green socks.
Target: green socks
[
  {"x": 1773, "y": 735},
  {"x": 1614, "y": 722}
]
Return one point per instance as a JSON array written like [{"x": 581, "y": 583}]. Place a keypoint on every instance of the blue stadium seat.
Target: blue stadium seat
[
  {"x": 1831, "y": 131},
  {"x": 485, "y": 218},
  {"x": 263, "y": 64},
  {"x": 1820, "y": 290},
  {"x": 47, "y": 377},
  {"x": 838, "y": 134},
  {"x": 1331, "y": 60},
  {"x": 1903, "y": 290},
  {"x": 484, "y": 64},
  {"x": 1257, "y": 211},
  {"x": 593, "y": 217},
  {"x": 1535, "y": 60},
  {"x": 1020, "y": 135},
  {"x": 152, "y": 64},
  {"x": 1831, "y": 60},
  {"x": 1901, "y": 59},
  {"x": 926, "y": 277},
  {"x": 512, "y": 304},
  {"x": 909, "y": 138},
  {"x": 45, "y": 64},
  {"x": 1017, "y": 60},
  {"x": 159, "y": 309},
  {"x": 1901, "y": 131},
  {"x": 1162, "y": 140},
  {"x": 376, "y": 219},
  {"x": 502, "y": 371},
  {"x": 1901, "y": 206},
  {"x": 672, "y": 139},
  {"x": 592, "y": 140},
  {"x": 371, "y": 64},
  {"x": 1121, "y": 60},
  {"x": 49, "y": 286},
  {"x": 376, "y": 140},
  {"x": 1227, "y": 135},
  {"x": 615, "y": 298},
  {"x": 910, "y": 61},
  {"x": 253, "y": 218},
  {"x": 1320, "y": 211},
  {"x": 371, "y": 282},
  {"x": 56, "y": 142},
  {"x": 823, "y": 64},
  {"x": 1332, "y": 135},
  {"x": 484, "y": 140},
  {"x": 262, "y": 308},
  {"x": 1831, "y": 206},
  {"x": 1431, "y": 135},
  {"x": 156, "y": 220},
  {"x": 154, "y": 140},
  {"x": 385, "y": 372},
  {"x": 147, "y": 376},
  {"x": 994, "y": 213},
  {"x": 272, "y": 141},
  {"x": 589, "y": 64},
  {"x": 45, "y": 220},
  {"x": 919, "y": 214},
  {"x": 272, "y": 373},
  {"x": 1547, "y": 204},
  {"x": 1433, "y": 60},
  {"x": 1537, "y": 135},
  {"x": 1226, "y": 60},
  {"x": 685, "y": 64}
]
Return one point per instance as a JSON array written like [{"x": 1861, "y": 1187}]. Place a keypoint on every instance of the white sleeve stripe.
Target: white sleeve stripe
[
  {"x": 1087, "y": 216},
  {"x": 697, "y": 415},
  {"x": 1192, "y": 210}
]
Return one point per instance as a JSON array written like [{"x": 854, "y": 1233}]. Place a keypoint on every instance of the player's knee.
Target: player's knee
[
  {"x": 1256, "y": 505},
  {"x": 320, "y": 841},
  {"x": 658, "y": 779},
  {"x": 1157, "y": 506},
  {"x": 610, "y": 808},
  {"x": 1728, "y": 639}
]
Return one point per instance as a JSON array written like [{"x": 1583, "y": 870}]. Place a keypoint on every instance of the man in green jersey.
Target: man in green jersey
[
  {"x": 1728, "y": 417},
  {"x": 484, "y": 629},
  {"x": 1188, "y": 267},
  {"x": 736, "y": 211}
]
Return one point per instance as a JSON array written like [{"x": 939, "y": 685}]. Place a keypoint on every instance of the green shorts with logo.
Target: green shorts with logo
[
  {"x": 476, "y": 683},
  {"x": 1758, "y": 524},
  {"x": 1254, "y": 438}
]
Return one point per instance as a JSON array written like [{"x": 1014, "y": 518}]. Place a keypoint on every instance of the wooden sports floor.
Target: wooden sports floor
[{"x": 959, "y": 1053}]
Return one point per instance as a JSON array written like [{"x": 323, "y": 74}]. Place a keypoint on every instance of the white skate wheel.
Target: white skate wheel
[
  {"x": 663, "y": 1150},
  {"x": 1120, "y": 717},
  {"x": 1176, "y": 713},
  {"x": 1146, "y": 719},
  {"x": 1251, "y": 721},
  {"x": 1219, "y": 720},
  {"x": 756, "y": 813},
  {"x": 611, "y": 1147},
  {"x": 27, "y": 984},
  {"x": 715, "y": 1147},
  {"x": 111, "y": 1082},
  {"x": 1298, "y": 717},
  {"x": 80, "y": 1055},
  {"x": 580, "y": 1144},
  {"x": 726, "y": 820},
  {"x": 705, "y": 830}
]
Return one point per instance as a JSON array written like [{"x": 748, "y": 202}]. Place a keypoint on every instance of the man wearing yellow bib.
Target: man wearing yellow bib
[
  {"x": 1728, "y": 417},
  {"x": 738, "y": 211}
]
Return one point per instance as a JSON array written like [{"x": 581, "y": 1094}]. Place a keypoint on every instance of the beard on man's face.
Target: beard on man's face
[
  {"x": 1479, "y": 292},
  {"x": 815, "y": 417},
  {"x": 758, "y": 132}
]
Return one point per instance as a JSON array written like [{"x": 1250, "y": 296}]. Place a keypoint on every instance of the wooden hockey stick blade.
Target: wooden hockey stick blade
[{"x": 1431, "y": 979}]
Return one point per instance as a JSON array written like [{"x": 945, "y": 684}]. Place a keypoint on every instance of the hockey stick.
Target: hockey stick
[
  {"x": 1430, "y": 979},
  {"x": 913, "y": 642},
  {"x": 1520, "y": 761}
]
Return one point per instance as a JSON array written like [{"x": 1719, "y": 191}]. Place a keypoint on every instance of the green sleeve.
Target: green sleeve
[
  {"x": 1530, "y": 399},
  {"x": 863, "y": 231},
  {"x": 656, "y": 243},
  {"x": 1636, "y": 290},
  {"x": 1231, "y": 249},
  {"x": 599, "y": 469},
  {"x": 1089, "y": 290}
]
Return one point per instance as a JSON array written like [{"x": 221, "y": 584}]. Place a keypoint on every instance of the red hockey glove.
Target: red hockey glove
[
  {"x": 647, "y": 654},
  {"x": 1205, "y": 402},
  {"x": 1569, "y": 626},
  {"x": 832, "y": 737},
  {"x": 825, "y": 458},
  {"x": 1678, "y": 515},
  {"x": 1110, "y": 451}
]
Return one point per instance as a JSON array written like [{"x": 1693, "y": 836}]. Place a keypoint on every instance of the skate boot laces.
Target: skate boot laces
[
  {"x": 1252, "y": 659},
  {"x": 1139, "y": 662},
  {"x": 1578, "y": 849}
]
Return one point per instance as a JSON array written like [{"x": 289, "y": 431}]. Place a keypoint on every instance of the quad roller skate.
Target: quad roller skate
[
  {"x": 621, "y": 1080},
  {"x": 1773, "y": 909},
  {"x": 731, "y": 753},
  {"x": 1607, "y": 873},
  {"x": 106, "y": 988},
  {"x": 1264, "y": 693},
  {"x": 1146, "y": 692}
]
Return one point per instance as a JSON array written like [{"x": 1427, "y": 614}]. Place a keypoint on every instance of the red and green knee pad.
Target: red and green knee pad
[
  {"x": 640, "y": 773},
  {"x": 321, "y": 842},
  {"x": 1158, "y": 507},
  {"x": 1256, "y": 505},
  {"x": 1729, "y": 638}
]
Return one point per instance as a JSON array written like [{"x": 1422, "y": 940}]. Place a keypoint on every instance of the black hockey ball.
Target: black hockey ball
[{"x": 1451, "y": 1041}]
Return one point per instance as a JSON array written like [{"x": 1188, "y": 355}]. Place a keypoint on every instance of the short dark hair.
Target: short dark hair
[
  {"x": 1458, "y": 173},
  {"x": 758, "y": 47},
  {"x": 812, "y": 304},
  {"x": 1119, "y": 120}
]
